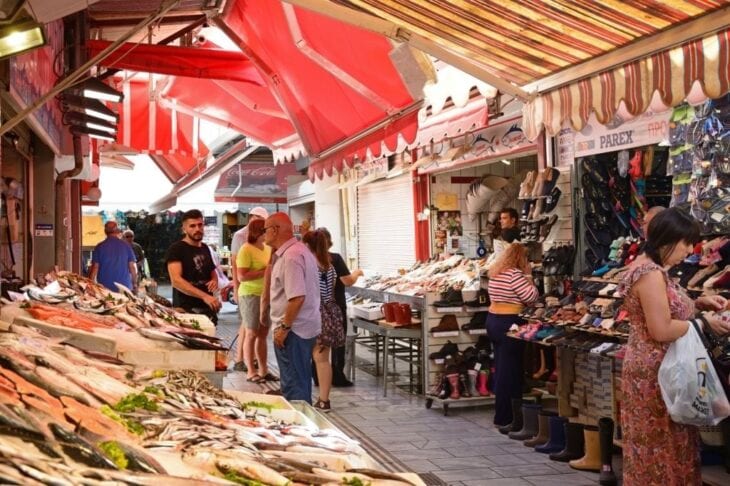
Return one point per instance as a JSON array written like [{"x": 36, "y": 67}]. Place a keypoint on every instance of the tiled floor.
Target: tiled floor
[{"x": 460, "y": 449}]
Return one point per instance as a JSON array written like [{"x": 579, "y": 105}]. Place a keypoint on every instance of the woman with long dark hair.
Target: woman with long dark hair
[
  {"x": 332, "y": 334},
  {"x": 657, "y": 450},
  {"x": 510, "y": 289}
]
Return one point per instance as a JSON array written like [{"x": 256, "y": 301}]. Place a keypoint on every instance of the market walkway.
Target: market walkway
[{"x": 461, "y": 449}]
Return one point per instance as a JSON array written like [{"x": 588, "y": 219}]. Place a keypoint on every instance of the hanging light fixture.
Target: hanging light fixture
[
  {"x": 99, "y": 90},
  {"x": 21, "y": 37},
  {"x": 78, "y": 119},
  {"x": 93, "y": 133},
  {"x": 89, "y": 107}
]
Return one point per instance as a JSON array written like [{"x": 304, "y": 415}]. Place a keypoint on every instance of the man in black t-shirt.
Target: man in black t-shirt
[{"x": 192, "y": 271}]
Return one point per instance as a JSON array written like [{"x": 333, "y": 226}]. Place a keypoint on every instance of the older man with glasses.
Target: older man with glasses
[
  {"x": 291, "y": 289},
  {"x": 138, "y": 252}
]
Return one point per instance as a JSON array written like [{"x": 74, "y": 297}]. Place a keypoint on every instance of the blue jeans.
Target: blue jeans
[
  {"x": 295, "y": 367},
  {"x": 508, "y": 355}
]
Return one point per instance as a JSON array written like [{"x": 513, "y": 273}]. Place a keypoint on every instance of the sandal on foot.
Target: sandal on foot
[
  {"x": 255, "y": 379},
  {"x": 270, "y": 377},
  {"x": 322, "y": 405}
]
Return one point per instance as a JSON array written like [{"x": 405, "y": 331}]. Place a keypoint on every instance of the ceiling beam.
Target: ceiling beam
[
  {"x": 668, "y": 38},
  {"x": 389, "y": 29}
]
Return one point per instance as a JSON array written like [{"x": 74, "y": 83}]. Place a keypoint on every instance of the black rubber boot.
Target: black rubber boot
[
  {"x": 605, "y": 438},
  {"x": 516, "y": 418},
  {"x": 531, "y": 423},
  {"x": 573, "y": 444}
]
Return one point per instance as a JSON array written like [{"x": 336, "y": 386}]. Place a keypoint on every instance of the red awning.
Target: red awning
[
  {"x": 193, "y": 62},
  {"x": 249, "y": 109},
  {"x": 671, "y": 74},
  {"x": 147, "y": 126},
  {"x": 334, "y": 81}
]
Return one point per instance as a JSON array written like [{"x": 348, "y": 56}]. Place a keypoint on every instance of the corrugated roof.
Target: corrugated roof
[{"x": 525, "y": 40}]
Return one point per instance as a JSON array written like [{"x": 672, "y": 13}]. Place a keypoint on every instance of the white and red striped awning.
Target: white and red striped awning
[{"x": 694, "y": 71}]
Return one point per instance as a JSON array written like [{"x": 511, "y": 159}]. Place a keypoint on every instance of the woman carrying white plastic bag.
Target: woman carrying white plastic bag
[
  {"x": 690, "y": 386},
  {"x": 656, "y": 449}
]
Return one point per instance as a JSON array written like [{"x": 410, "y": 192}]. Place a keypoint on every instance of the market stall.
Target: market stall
[{"x": 74, "y": 416}]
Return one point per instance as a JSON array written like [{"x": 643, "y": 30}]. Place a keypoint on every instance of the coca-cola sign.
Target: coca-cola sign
[{"x": 254, "y": 182}]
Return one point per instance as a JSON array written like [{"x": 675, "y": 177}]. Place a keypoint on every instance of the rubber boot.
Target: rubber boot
[
  {"x": 437, "y": 388},
  {"x": 464, "y": 382},
  {"x": 516, "y": 418},
  {"x": 530, "y": 422},
  {"x": 454, "y": 385},
  {"x": 556, "y": 443},
  {"x": 605, "y": 439},
  {"x": 445, "y": 388},
  {"x": 543, "y": 432},
  {"x": 591, "y": 461},
  {"x": 473, "y": 376},
  {"x": 482, "y": 380},
  {"x": 574, "y": 444}
]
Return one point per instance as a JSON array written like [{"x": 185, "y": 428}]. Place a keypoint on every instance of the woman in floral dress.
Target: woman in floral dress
[{"x": 656, "y": 450}]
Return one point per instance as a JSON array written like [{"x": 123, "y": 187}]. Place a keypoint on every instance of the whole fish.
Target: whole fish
[
  {"x": 58, "y": 385},
  {"x": 158, "y": 335}
]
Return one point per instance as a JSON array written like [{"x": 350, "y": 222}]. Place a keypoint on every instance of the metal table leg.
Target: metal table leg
[
  {"x": 377, "y": 355},
  {"x": 410, "y": 365},
  {"x": 385, "y": 365}
]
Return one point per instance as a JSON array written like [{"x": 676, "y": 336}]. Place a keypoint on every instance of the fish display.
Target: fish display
[
  {"x": 435, "y": 275},
  {"x": 70, "y": 417},
  {"x": 75, "y": 302}
]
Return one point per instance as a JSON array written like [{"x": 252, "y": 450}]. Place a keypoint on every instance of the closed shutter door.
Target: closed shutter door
[{"x": 385, "y": 227}]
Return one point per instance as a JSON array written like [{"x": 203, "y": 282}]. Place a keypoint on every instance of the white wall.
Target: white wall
[{"x": 327, "y": 211}]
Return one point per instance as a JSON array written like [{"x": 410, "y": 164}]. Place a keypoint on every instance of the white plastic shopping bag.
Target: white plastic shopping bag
[{"x": 690, "y": 387}]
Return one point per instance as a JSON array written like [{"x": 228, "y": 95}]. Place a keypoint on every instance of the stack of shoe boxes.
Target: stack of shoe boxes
[{"x": 592, "y": 394}]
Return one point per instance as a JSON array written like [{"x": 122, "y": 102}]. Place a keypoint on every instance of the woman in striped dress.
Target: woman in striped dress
[
  {"x": 510, "y": 289},
  {"x": 332, "y": 334}
]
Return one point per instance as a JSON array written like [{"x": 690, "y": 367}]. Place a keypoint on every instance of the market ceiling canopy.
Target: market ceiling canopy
[
  {"x": 671, "y": 74},
  {"x": 522, "y": 41},
  {"x": 150, "y": 128},
  {"x": 336, "y": 83},
  {"x": 179, "y": 61}
]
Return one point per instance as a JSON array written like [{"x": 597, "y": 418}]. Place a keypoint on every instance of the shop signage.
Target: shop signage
[
  {"x": 34, "y": 74},
  {"x": 647, "y": 129},
  {"x": 566, "y": 147},
  {"x": 43, "y": 229},
  {"x": 254, "y": 182}
]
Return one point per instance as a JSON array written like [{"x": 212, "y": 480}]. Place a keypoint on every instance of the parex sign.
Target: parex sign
[{"x": 647, "y": 129}]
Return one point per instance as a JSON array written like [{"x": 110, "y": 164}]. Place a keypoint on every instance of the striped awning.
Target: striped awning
[
  {"x": 694, "y": 71},
  {"x": 523, "y": 41}
]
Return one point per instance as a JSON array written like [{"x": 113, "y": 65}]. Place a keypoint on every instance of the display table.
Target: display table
[{"x": 389, "y": 334}]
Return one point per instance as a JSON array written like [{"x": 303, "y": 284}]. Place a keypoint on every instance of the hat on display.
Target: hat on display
[{"x": 260, "y": 212}]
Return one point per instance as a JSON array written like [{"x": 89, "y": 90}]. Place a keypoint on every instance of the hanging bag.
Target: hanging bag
[{"x": 689, "y": 385}]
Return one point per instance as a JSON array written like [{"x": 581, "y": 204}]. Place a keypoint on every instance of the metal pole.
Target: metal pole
[{"x": 72, "y": 78}]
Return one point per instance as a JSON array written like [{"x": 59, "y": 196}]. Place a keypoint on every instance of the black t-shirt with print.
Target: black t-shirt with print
[{"x": 197, "y": 267}]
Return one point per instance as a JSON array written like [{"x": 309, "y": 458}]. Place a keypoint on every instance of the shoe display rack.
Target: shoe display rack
[{"x": 443, "y": 328}]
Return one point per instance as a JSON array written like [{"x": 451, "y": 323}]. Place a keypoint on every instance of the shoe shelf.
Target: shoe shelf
[
  {"x": 460, "y": 309},
  {"x": 446, "y": 403}
]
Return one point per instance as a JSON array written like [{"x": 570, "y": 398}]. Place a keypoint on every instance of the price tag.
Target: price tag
[{"x": 478, "y": 366}]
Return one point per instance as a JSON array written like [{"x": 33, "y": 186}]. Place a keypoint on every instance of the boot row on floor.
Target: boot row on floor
[{"x": 583, "y": 447}]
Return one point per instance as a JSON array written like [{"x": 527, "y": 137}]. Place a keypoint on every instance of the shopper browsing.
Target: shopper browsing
[
  {"x": 239, "y": 238},
  {"x": 294, "y": 306},
  {"x": 192, "y": 271},
  {"x": 345, "y": 278},
  {"x": 332, "y": 335},
  {"x": 654, "y": 447},
  {"x": 138, "y": 252},
  {"x": 251, "y": 263},
  {"x": 510, "y": 289},
  {"x": 113, "y": 261}
]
